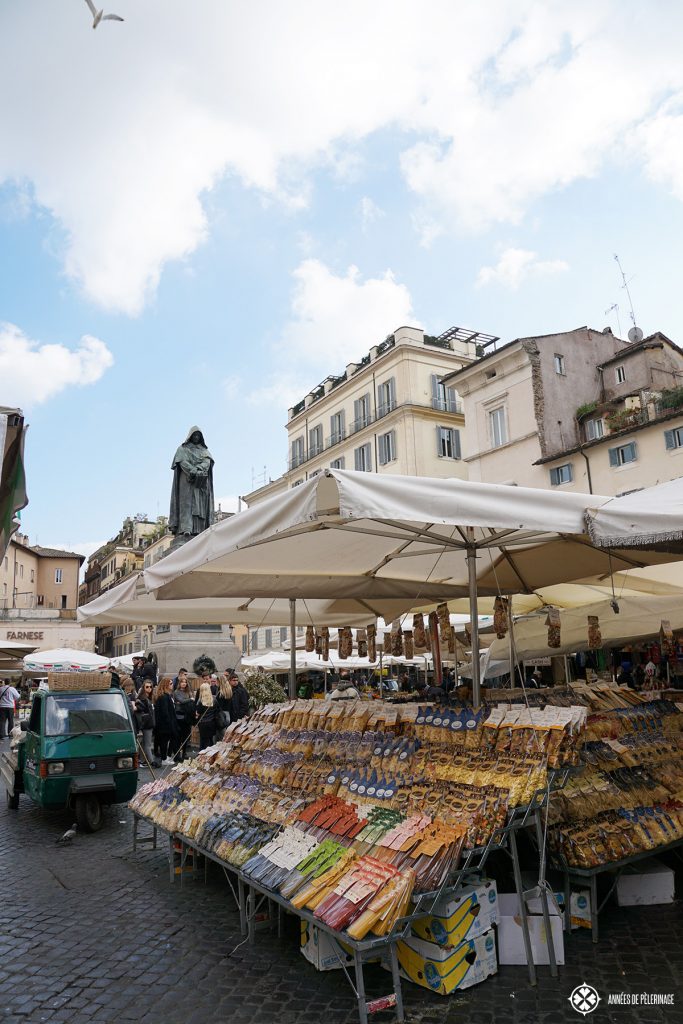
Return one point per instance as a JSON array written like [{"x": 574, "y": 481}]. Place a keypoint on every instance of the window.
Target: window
[
  {"x": 283, "y": 634},
  {"x": 386, "y": 397},
  {"x": 387, "y": 447},
  {"x": 620, "y": 374},
  {"x": 33, "y": 576},
  {"x": 40, "y": 599},
  {"x": 338, "y": 463},
  {"x": 447, "y": 443},
  {"x": 298, "y": 483},
  {"x": 594, "y": 429},
  {"x": 269, "y": 639},
  {"x": 337, "y": 427},
  {"x": 561, "y": 474},
  {"x": 254, "y": 640},
  {"x": 443, "y": 398},
  {"x": 559, "y": 364},
  {"x": 497, "y": 427},
  {"x": 315, "y": 441},
  {"x": 162, "y": 629},
  {"x": 297, "y": 452},
  {"x": 245, "y": 638},
  {"x": 363, "y": 459},
  {"x": 361, "y": 413},
  {"x": 21, "y": 573},
  {"x": 622, "y": 455},
  {"x": 674, "y": 438}
]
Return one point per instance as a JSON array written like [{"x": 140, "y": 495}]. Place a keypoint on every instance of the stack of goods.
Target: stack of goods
[
  {"x": 347, "y": 807},
  {"x": 628, "y": 798}
]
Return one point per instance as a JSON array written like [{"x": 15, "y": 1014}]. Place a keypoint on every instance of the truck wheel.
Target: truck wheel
[
  {"x": 12, "y": 801},
  {"x": 89, "y": 815}
]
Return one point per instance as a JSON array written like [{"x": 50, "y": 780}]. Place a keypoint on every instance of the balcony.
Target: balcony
[
  {"x": 447, "y": 405},
  {"x": 361, "y": 422},
  {"x": 333, "y": 439}
]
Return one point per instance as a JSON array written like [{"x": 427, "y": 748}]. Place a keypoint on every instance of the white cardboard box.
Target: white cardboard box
[
  {"x": 649, "y": 884},
  {"x": 511, "y": 938}
]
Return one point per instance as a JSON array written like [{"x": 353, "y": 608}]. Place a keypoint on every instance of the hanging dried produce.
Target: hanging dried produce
[
  {"x": 372, "y": 642},
  {"x": 318, "y": 644},
  {"x": 451, "y": 641},
  {"x": 553, "y": 623},
  {"x": 396, "y": 639},
  {"x": 419, "y": 633},
  {"x": 666, "y": 638},
  {"x": 467, "y": 630},
  {"x": 594, "y": 634},
  {"x": 408, "y": 644},
  {"x": 345, "y": 642},
  {"x": 444, "y": 622},
  {"x": 325, "y": 644},
  {"x": 362, "y": 641},
  {"x": 501, "y": 616},
  {"x": 310, "y": 639}
]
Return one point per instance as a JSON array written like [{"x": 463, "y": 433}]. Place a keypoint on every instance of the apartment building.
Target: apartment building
[
  {"x": 388, "y": 413},
  {"x": 580, "y": 410}
]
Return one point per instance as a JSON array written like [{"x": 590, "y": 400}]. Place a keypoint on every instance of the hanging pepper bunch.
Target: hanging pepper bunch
[
  {"x": 362, "y": 641},
  {"x": 408, "y": 645},
  {"x": 501, "y": 613},
  {"x": 310, "y": 639},
  {"x": 396, "y": 639},
  {"x": 553, "y": 623},
  {"x": 594, "y": 634},
  {"x": 372, "y": 642},
  {"x": 420, "y": 634}
]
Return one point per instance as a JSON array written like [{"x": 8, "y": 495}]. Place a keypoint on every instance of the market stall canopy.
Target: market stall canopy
[
  {"x": 639, "y": 617},
  {"x": 64, "y": 659},
  {"x": 648, "y": 518},
  {"x": 14, "y": 652},
  {"x": 129, "y": 604},
  {"x": 348, "y": 534},
  {"x": 125, "y": 661},
  {"x": 12, "y": 475}
]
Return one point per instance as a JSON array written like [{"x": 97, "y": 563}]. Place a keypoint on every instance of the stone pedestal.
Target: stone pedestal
[{"x": 177, "y": 647}]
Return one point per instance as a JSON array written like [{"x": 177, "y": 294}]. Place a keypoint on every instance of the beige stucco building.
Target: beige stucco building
[
  {"x": 578, "y": 410},
  {"x": 388, "y": 413}
]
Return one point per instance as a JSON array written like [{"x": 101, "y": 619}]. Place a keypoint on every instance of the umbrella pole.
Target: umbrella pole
[
  {"x": 381, "y": 677},
  {"x": 292, "y": 649},
  {"x": 474, "y": 619}
]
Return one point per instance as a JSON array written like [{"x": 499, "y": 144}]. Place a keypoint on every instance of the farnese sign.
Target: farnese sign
[{"x": 24, "y": 635}]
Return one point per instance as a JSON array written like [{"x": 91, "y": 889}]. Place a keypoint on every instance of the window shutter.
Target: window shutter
[
  {"x": 669, "y": 439},
  {"x": 392, "y": 446},
  {"x": 382, "y": 449},
  {"x": 451, "y": 399},
  {"x": 357, "y": 413},
  {"x": 357, "y": 456},
  {"x": 368, "y": 458},
  {"x": 392, "y": 393},
  {"x": 342, "y": 423},
  {"x": 456, "y": 445},
  {"x": 439, "y": 443},
  {"x": 614, "y": 456},
  {"x": 435, "y": 392}
]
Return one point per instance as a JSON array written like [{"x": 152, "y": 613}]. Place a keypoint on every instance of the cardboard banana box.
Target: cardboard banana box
[
  {"x": 444, "y": 970},
  {"x": 455, "y": 920}
]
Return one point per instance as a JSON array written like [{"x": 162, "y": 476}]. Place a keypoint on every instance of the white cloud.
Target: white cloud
[
  {"x": 369, "y": 212},
  {"x": 515, "y": 266},
  {"x": 336, "y": 318},
  {"x": 231, "y": 385},
  {"x": 31, "y": 372},
  {"x": 542, "y": 94}
]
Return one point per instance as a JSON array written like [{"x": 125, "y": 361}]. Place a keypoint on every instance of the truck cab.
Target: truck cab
[{"x": 78, "y": 751}]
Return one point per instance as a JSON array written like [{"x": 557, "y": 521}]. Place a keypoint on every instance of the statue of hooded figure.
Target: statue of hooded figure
[{"x": 192, "y": 493}]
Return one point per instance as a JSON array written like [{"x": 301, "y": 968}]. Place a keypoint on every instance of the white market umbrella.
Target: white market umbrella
[
  {"x": 65, "y": 659},
  {"x": 361, "y": 535},
  {"x": 646, "y": 518},
  {"x": 125, "y": 661}
]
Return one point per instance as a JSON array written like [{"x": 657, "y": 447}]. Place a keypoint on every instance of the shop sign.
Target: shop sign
[
  {"x": 537, "y": 662},
  {"x": 21, "y": 634}
]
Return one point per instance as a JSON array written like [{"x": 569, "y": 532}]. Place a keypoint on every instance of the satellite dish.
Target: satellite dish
[{"x": 635, "y": 334}]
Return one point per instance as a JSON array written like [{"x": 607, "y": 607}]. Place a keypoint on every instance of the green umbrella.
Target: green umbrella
[{"x": 13, "y": 495}]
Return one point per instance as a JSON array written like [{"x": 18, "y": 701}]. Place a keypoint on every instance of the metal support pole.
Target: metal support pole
[
  {"x": 544, "y": 896},
  {"x": 511, "y": 646},
  {"x": 381, "y": 674},
  {"x": 474, "y": 619},
  {"x": 292, "y": 649},
  {"x": 519, "y": 888}
]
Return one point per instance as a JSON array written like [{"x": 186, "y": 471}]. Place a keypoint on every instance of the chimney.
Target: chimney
[
  {"x": 328, "y": 385},
  {"x": 308, "y": 400},
  {"x": 373, "y": 353},
  {"x": 290, "y": 413},
  {"x": 351, "y": 369}
]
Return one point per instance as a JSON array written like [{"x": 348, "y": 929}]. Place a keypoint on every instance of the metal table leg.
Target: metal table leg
[
  {"x": 171, "y": 858},
  {"x": 544, "y": 901},
  {"x": 522, "y": 907},
  {"x": 594, "y": 908},
  {"x": 242, "y": 901},
  {"x": 567, "y": 903},
  {"x": 396, "y": 977},
  {"x": 360, "y": 988}
]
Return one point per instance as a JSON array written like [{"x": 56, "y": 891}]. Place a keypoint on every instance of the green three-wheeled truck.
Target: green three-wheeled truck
[{"x": 77, "y": 750}]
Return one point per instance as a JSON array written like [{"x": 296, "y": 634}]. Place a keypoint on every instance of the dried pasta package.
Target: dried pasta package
[
  {"x": 408, "y": 645},
  {"x": 594, "y": 634},
  {"x": 362, "y": 641},
  {"x": 372, "y": 642},
  {"x": 500, "y": 616},
  {"x": 553, "y": 623},
  {"x": 310, "y": 639},
  {"x": 419, "y": 633}
]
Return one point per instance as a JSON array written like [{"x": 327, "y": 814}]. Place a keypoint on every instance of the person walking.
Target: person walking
[
  {"x": 8, "y": 700},
  {"x": 223, "y": 704},
  {"x": 207, "y": 716},
  {"x": 166, "y": 726},
  {"x": 183, "y": 698},
  {"x": 144, "y": 718},
  {"x": 239, "y": 706}
]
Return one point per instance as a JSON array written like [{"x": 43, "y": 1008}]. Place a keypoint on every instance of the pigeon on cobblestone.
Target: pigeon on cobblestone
[{"x": 68, "y": 835}]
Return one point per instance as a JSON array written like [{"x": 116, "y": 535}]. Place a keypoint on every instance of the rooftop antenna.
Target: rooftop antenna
[
  {"x": 614, "y": 308},
  {"x": 635, "y": 334}
]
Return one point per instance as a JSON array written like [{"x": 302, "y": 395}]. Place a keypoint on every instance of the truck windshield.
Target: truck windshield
[{"x": 86, "y": 712}]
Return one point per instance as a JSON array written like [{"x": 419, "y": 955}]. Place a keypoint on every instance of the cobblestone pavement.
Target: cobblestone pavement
[{"x": 92, "y": 932}]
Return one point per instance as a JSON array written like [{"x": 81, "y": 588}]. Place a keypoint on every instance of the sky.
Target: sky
[{"x": 207, "y": 209}]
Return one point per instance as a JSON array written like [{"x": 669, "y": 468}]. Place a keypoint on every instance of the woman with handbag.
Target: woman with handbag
[
  {"x": 183, "y": 698},
  {"x": 207, "y": 715},
  {"x": 223, "y": 704},
  {"x": 144, "y": 720}
]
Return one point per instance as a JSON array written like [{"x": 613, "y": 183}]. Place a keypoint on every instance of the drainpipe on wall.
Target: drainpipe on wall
[{"x": 588, "y": 469}]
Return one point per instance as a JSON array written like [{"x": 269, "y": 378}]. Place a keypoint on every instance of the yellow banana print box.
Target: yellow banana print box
[
  {"x": 455, "y": 920},
  {"x": 445, "y": 970}
]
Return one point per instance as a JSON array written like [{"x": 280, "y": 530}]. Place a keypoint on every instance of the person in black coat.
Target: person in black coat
[
  {"x": 166, "y": 726},
  {"x": 207, "y": 716},
  {"x": 239, "y": 705},
  {"x": 144, "y": 720}
]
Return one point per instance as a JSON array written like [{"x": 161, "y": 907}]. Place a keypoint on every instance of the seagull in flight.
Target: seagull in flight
[{"x": 98, "y": 16}]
